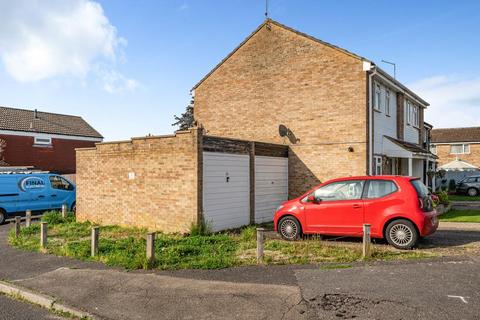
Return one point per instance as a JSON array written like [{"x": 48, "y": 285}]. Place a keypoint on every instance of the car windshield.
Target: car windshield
[{"x": 421, "y": 189}]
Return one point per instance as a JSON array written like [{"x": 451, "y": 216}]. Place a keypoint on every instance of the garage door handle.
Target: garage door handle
[{"x": 356, "y": 206}]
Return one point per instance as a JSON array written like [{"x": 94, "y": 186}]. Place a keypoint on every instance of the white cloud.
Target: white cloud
[
  {"x": 454, "y": 100},
  {"x": 42, "y": 39},
  {"x": 114, "y": 82}
]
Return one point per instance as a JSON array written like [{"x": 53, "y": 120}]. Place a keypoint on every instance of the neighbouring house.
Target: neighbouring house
[
  {"x": 450, "y": 144},
  {"x": 281, "y": 113},
  {"x": 43, "y": 140},
  {"x": 343, "y": 115}
]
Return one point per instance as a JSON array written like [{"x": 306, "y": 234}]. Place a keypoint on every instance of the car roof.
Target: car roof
[{"x": 383, "y": 177}]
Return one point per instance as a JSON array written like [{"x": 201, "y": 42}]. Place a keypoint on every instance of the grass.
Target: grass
[
  {"x": 459, "y": 197},
  {"x": 461, "y": 216},
  {"x": 126, "y": 247}
]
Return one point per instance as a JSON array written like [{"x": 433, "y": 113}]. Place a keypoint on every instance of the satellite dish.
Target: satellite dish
[{"x": 282, "y": 130}]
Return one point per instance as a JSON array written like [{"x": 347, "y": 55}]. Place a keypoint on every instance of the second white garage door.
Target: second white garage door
[
  {"x": 226, "y": 190},
  {"x": 271, "y": 186}
]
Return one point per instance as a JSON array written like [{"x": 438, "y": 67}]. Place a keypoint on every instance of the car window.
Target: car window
[
  {"x": 472, "y": 179},
  {"x": 380, "y": 188},
  {"x": 343, "y": 190},
  {"x": 60, "y": 183},
  {"x": 422, "y": 190}
]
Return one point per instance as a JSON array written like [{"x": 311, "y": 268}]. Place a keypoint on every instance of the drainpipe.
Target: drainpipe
[{"x": 370, "y": 119}]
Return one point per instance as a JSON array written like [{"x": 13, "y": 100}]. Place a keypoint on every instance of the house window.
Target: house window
[
  {"x": 409, "y": 112},
  {"x": 433, "y": 149},
  {"x": 378, "y": 165},
  {"x": 42, "y": 141},
  {"x": 459, "y": 149},
  {"x": 387, "y": 103},
  {"x": 416, "y": 119},
  {"x": 378, "y": 97}
]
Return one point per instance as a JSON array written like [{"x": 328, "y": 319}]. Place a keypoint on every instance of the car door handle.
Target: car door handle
[{"x": 356, "y": 206}]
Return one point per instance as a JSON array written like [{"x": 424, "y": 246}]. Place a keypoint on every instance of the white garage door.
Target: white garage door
[
  {"x": 271, "y": 186},
  {"x": 226, "y": 190}
]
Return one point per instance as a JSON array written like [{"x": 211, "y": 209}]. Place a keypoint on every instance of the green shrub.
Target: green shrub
[
  {"x": 200, "y": 229},
  {"x": 443, "y": 197}
]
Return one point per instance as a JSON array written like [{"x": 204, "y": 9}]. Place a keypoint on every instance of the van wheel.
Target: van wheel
[
  {"x": 289, "y": 228},
  {"x": 402, "y": 234},
  {"x": 3, "y": 216},
  {"x": 472, "y": 192}
]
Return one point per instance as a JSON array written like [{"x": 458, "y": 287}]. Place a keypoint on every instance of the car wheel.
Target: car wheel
[
  {"x": 401, "y": 234},
  {"x": 289, "y": 228},
  {"x": 472, "y": 192},
  {"x": 3, "y": 216},
  {"x": 74, "y": 208}
]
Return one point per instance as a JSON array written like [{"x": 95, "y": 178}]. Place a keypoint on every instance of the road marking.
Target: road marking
[{"x": 464, "y": 300}]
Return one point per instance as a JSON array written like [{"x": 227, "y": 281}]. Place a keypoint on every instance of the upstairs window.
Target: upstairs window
[
  {"x": 42, "y": 141},
  {"x": 409, "y": 112},
  {"x": 416, "y": 116},
  {"x": 387, "y": 103},
  {"x": 378, "y": 97},
  {"x": 459, "y": 149}
]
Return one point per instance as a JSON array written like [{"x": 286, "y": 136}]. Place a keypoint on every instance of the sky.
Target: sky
[{"x": 127, "y": 66}]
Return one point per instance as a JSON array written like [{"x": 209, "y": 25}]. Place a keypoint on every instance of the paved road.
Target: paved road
[
  {"x": 11, "y": 309},
  {"x": 445, "y": 288}
]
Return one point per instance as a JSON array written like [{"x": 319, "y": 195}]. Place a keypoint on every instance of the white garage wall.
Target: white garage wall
[
  {"x": 271, "y": 186},
  {"x": 226, "y": 204}
]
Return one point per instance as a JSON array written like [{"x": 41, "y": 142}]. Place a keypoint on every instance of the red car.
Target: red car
[{"x": 399, "y": 209}]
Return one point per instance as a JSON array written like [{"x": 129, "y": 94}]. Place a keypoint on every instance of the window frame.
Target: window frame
[
  {"x": 464, "y": 147},
  {"x": 367, "y": 185},
  {"x": 37, "y": 141},
  {"x": 432, "y": 147},
  {"x": 416, "y": 116},
  {"x": 378, "y": 97},
  {"x": 409, "y": 112},
  {"x": 376, "y": 164},
  {"x": 387, "y": 102}
]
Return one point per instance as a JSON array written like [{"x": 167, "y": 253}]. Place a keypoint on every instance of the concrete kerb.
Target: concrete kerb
[{"x": 42, "y": 300}]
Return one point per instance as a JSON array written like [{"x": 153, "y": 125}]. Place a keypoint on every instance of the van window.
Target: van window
[
  {"x": 380, "y": 188},
  {"x": 60, "y": 183}
]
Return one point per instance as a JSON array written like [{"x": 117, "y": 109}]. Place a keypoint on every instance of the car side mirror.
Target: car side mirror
[{"x": 311, "y": 198}]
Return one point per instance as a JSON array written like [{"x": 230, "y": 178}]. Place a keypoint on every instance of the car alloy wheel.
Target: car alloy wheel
[
  {"x": 472, "y": 192},
  {"x": 402, "y": 234},
  {"x": 289, "y": 228}
]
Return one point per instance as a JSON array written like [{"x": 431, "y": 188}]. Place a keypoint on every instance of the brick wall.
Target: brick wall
[
  {"x": 59, "y": 157},
  {"x": 280, "y": 77},
  {"x": 162, "y": 196},
  {"x": 444, "y": 156}
]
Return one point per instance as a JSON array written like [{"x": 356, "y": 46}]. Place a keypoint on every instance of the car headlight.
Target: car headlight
[{"x": 279, "y": 208}]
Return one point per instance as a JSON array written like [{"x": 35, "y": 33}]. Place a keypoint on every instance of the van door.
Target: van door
[
  {"x": 9, "y": 193},
  {"x": 33, "y": 194},
  {"x": 62, "y": 192}
]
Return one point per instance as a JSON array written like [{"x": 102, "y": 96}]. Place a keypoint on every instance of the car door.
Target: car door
[
  {"x": 337, "y": 208},
  {"x": 61, "y": 192}
]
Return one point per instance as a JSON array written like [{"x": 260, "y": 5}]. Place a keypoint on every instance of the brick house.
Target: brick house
[
  {"x": 342, "y": 114},
  {"x": 43, "y": 140},
  {"x": 450, "y": 144}
]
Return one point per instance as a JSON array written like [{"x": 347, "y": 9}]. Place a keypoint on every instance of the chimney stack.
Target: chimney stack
[{"x": 35, "y": 115}]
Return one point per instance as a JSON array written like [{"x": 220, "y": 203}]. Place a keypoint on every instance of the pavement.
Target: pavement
[
  {"x": 442, "y": 288},
  {"x": 14, "y": 309}
]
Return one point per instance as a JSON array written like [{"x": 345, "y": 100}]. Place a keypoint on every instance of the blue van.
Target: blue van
[{"x": 38, "y": 192}]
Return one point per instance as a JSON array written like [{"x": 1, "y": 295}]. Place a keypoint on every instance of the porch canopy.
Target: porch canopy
[
  {"x": 394, "y": 148},
  {"x": 459, "y": 165}
]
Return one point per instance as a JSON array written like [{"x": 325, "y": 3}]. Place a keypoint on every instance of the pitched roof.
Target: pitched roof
[
  {"x": 45, "y": 122},
  {"x": 411, "y": 147},
  {"x": 458, "y": 165},
  {"x": 470, "y": 134},
  {"x": 356, "y": 56}
]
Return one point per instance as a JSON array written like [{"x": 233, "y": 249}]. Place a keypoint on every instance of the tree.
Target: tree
[{"x": 186, "y": 120}]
